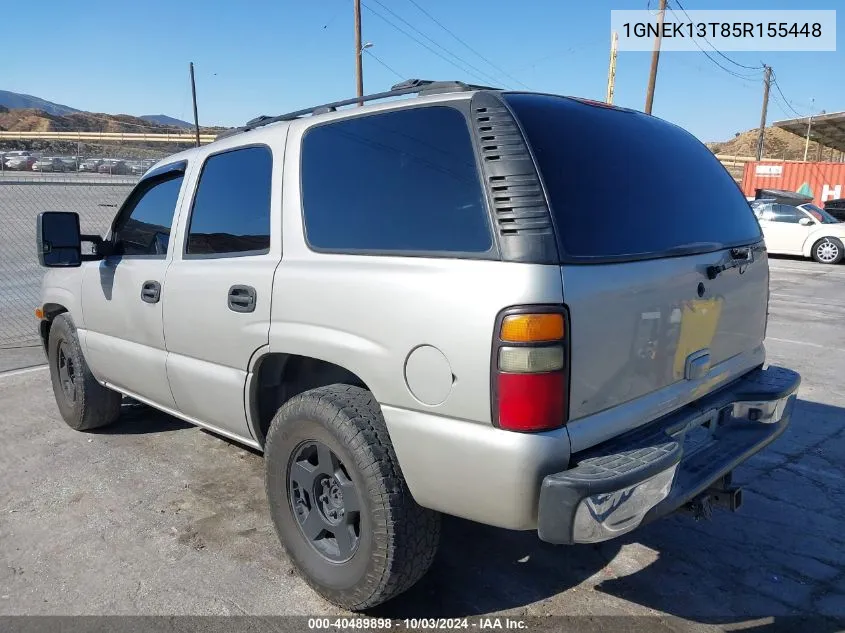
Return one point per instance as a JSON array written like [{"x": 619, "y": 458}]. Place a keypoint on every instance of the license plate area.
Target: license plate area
[{"x": 698, "y": 432}]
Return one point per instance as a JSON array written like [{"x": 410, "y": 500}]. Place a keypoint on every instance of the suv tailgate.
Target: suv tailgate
[{"x": 642, "y": 213}]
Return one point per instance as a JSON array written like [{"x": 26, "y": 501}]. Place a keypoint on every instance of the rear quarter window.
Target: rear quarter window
[
  {"x": 622, "y": 184},
  {"x": 401, "y": 182}
]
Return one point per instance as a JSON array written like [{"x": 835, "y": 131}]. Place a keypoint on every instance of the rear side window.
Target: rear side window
[
  {"x": 231, "y": 210},
  {"x": 144, "y": 225},
  {"x": 626, "y": 185},
  {"x": 403, "y": 181}
]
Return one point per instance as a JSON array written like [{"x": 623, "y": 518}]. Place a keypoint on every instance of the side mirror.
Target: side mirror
[
  {"x": 805, "y": 222},
  {"x": 58, "y": 239}
]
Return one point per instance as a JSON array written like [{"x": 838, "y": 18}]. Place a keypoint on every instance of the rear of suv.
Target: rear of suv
[{"x": 531, "y": 311}]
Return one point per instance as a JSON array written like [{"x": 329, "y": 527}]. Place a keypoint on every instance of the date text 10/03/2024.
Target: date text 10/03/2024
[{"x": 416, "y": 624}]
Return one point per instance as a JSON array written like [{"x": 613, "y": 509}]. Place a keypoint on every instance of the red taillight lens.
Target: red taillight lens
[
  {"x": 531, "y": 369},
  {"x": 531, "y": 402}
]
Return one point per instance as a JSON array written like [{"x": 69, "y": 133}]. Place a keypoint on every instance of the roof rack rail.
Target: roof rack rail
[{"x": 410, "y": 86}]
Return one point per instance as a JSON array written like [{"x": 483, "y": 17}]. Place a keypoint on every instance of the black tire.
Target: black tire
[
  {"x": 397, "y": 539},
  {"x": 83, "y": 402},
  {"x": 828, "y": 250}
]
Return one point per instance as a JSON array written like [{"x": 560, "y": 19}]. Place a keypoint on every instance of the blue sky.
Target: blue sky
[{"x": 272, "y": 56}]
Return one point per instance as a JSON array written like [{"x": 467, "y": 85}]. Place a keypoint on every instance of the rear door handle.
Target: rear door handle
[
  {"x": 150, "y": 292},
  {"x": 242, "y": 298}
]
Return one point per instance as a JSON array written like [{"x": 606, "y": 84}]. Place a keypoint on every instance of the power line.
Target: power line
[
  {"x": 777, "y": 102},
  {"x": 479, "y": 74},
  {"x": 373, "y": 55},
  {"x": 733, "y": 61},
  {"x": 783, "y": 96},
  {"x": 735, "y": 74},
  {"x": 711, "y": 58},
  {"x": 467, "y": 46}
]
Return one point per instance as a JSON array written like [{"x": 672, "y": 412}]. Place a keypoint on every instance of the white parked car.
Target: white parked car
[{"x": 804, "y": 230}]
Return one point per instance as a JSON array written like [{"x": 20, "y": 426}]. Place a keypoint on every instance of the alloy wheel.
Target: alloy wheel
[{"x": 827, "y": 251}]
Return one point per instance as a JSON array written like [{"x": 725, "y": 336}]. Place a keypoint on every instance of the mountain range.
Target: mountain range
[{"x": 18, "y": 101}]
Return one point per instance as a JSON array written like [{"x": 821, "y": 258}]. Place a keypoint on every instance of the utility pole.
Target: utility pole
[
  {"x": 611, "y": 73},
  {"x": 359, "y": 70},
  {"x": 655, "y": 58},
  {"x": 194, "y": 94},
  {"x": 767, "y": 84},
  {"x": 809, "y": 127}
]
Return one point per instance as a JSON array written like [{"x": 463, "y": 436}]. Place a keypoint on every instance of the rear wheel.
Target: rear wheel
[
  {"x": 83, "y": 402},
  {"x": 339, "y": 502}
]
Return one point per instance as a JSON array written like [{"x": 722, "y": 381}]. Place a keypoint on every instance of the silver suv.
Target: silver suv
[{"x": 532, "y": 311}]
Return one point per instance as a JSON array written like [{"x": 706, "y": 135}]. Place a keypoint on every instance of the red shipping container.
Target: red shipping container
[{"x": 822, "y": 181}]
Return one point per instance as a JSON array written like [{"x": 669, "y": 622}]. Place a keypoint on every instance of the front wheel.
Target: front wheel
[
  {"x": 339, "y": 502},
  {"x": 83, "y": 402},
  {"x": 828, "y": 250}
]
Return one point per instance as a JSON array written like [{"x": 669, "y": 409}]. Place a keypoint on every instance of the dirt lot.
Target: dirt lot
[{"x": 155, "y": 517}]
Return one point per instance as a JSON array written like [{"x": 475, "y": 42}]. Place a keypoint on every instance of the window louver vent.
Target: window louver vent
[{"x": 519, "y": 205}]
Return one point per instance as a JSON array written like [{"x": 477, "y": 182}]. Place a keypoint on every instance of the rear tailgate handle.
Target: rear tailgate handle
[
  {"x": 739, "y": 257},
  {"x": 150, "y": 292},
  {"x": 242, "y": 298},
  {"x": 746, "y": 254}
]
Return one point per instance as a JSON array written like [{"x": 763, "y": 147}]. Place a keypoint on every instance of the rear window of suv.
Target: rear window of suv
[{"x": 624, "y": 185}]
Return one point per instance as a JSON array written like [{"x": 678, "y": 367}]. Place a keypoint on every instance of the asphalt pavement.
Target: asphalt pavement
[{"x": 155, "y": 517}]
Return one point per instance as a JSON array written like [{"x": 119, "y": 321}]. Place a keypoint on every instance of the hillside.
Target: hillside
[
  {"x": 18, "y": 100},
  {"x": 163, "y": 119},
  {"x": 777, "y": 143},
  {"x": 32, "y": 120}
]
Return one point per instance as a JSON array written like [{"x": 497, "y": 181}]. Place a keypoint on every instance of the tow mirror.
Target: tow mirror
[{"x": 58, "y": 239}]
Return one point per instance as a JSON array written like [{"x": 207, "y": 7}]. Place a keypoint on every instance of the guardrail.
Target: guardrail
[
  {"x": 741, "y": 160},
  {"x": 146, "y": 137}
]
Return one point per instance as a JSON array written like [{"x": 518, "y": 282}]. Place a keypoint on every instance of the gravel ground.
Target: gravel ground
[{"x": 154, "y": 517}]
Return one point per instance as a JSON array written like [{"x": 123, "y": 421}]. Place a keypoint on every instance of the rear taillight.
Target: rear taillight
[{"x": 530, "y": 369}]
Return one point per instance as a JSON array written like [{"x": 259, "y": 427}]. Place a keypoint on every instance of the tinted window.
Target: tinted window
[
  {"x": 399, "y": 181},
  {"x": 626, "y": 184},
  {"x": 785, "y": 213},
  {"x": 146, "y": 230},
  {"x": 231, "y": 211}
]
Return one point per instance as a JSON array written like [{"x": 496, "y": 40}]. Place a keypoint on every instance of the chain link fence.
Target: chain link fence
[
  {"x": 21, "y": 200},
  {"x": 79, "y": 186}
]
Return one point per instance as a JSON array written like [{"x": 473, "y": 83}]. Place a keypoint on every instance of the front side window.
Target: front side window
[
  {"x": 399, "y": 182},
  {"x": 231, "y": 210},
  {"x": 144, "y": 225},
  {"x": 821, "y": 215}
]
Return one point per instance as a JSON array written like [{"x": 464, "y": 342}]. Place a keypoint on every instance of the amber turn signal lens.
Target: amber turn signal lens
[
  {"x": 39, "y": 313},
  {"x": 532, "y": 328}
]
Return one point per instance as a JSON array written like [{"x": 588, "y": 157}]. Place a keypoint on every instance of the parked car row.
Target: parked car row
[{"x": 28, "y": 161}]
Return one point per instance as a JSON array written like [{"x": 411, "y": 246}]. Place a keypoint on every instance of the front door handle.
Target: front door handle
[
  {"x": 150, "y": 292},
  {"x": 242, "y": 298}
]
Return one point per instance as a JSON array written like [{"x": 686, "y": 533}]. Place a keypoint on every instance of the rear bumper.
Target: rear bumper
[{"x": 643, "y": 475}]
